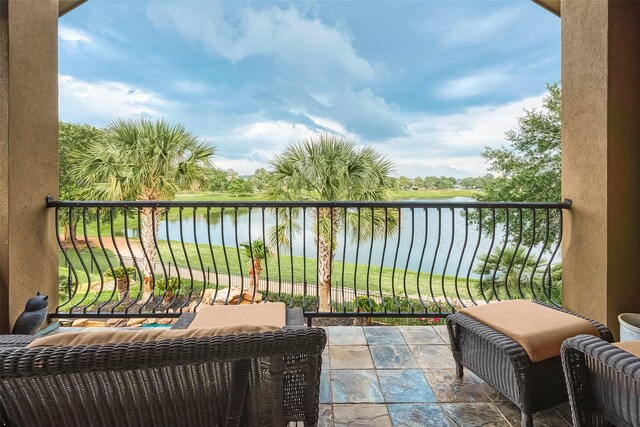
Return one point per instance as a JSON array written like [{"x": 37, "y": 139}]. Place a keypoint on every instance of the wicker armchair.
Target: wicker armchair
[
  {"x": 261, "y": 379},
  {"x": 503, "y": 363},
  {"x": 15, "y": 341},
  {"x": 603, "y": 383}
]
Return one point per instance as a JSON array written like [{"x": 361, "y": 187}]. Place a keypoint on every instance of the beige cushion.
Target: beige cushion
[
  {"x": 632, "y": 347},
  {"x": 270, "y": 313},
  {"x": 539, "y": 330},
  {"x": 110, "y": 336}
]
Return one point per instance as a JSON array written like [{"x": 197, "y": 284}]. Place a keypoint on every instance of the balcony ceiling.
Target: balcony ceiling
[
  {"x": 65, "y": 6},
  {"x": 552, "y": 6}
]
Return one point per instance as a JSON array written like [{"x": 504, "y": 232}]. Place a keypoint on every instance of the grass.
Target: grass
[
  {"x": 288, "y": 269},
  {"x": 284, "y": 270}
]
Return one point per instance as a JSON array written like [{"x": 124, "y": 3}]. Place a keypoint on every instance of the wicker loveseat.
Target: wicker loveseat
[
  {"x": 603, "y": 382},
  {"x": 504, "y": 364},
  {"x": 261, "y": 379}
]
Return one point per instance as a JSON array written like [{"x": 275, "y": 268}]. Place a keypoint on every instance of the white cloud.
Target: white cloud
[
  {"x": 306, "y": 43},
  {"x": 447, "y": 144},
  {"x": 98, "y": 102},
  {"x": 330, "y": 125},
  {"x": 189, "y": 86},
  {"x": 453, "y": 142},
  {"x": 473, "y": 85},
  {"x": 242, "y": 166},
  {"x": 479, "y": 30},
  {"x": 73, "y": 35},
  {"x": 276, "y": 131}
]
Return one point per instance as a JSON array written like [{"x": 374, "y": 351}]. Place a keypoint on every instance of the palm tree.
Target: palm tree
[
  {"x": 515, "y": 274},
  {"x": 255, "y": 252},
  {"x": 141, "y": 159},
  {"x": 330, "y": 168}
]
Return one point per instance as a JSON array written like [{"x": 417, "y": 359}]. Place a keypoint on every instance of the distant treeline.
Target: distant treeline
[{"x": 230, "y": 181}]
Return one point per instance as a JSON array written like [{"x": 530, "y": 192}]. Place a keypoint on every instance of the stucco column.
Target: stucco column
[
  {"x": 601, "y": 157},
  {"x": 28, "y": 153}
]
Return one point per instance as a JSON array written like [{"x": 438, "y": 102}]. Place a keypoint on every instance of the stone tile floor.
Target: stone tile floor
[{"x": 405, "y": 376}]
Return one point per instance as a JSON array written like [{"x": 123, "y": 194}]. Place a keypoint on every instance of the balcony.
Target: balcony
[
  {"x": 405, "y": 376},
  {"x": 398, "y": 260},
  {"x": 387, "y": 361}
]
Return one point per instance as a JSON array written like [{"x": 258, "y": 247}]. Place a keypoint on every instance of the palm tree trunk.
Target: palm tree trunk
[
  {"x": 70, "y": 232},
  {"x": 324, "y": 266},
  {"x": 254, "y": 275},
  {"x": 326, "y": 243},
  {"x": 148, "y": 236}
]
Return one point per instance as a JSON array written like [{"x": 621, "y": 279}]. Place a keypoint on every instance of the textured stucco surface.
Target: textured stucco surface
[
  {"x": 623, "y": 161},
  {"x": 600, "y": 157},
  {"x": 29, "y": 148}
]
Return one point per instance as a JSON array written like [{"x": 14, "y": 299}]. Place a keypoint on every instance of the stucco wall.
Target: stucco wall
[
  {"x": 623, "y": 161},
  {"x": 29, "y": 153},
  {"x": 601, "y": 157}
]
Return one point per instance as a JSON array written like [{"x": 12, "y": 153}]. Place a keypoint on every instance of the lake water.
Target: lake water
[{"x": 427, "y": 240}]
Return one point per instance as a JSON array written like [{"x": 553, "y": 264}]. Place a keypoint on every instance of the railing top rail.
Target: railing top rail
[{"x": 51, "y": 203}]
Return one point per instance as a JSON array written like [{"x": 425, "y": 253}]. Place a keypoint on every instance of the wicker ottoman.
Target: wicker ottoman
[{"x": 504, "y": 364}]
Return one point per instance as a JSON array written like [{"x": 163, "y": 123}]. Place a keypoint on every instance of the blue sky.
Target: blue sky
[{"x": 427, "y": 83}]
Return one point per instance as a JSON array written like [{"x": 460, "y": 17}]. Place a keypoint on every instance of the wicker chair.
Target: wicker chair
[
  {"x": 503, "y": 363},
  {"x": 603, "y": 383},
  {"x": 15, "y": 341},
  {"x": 261, "y": 379}
]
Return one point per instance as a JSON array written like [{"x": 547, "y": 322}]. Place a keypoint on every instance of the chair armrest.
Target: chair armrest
[
  {"x": 16, "y": 341},
  {"x": 38, "y": 361},
  {"x": 616, "y": 369}
]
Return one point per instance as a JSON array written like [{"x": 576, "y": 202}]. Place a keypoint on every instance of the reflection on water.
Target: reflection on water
[{"x": 428, "y": 240}]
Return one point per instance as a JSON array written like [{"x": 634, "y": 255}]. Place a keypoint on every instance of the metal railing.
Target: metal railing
[{"x": 349, "y": 259}]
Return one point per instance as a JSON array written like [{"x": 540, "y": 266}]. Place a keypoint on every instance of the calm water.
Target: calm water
[{"x": 425, "y": 240}]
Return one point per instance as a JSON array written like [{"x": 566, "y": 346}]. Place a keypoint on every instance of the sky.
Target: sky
[{"x": 427, "y": 83}]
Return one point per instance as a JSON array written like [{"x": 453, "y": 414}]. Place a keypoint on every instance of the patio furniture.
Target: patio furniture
[
  {"x": 258, "y": 378},
  {"x": 294, "y": 318},
  {"x": 15, "y": 341},
  {"x": 603, "y": 381},
  {"x": 532, "y": 383}
]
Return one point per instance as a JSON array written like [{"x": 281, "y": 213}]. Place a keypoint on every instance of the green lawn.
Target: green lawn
[{"x": 289, "y": 269}]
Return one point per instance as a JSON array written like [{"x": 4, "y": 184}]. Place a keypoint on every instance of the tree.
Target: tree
[
  {"x": 403, "y": 183},
  {"x": 430, "y": 182},
  {"x": 260, "y": 179},
  {"x": 122, "y": 277},
  {"x": 418, "y": 182},
  {"x": 217, "y": 180},
  {"x": 330, "y": 168},
  {"x": 510, "y": 273},
  {"x": 231, "y": 174},
  {"x": 444, "y": 184},
  {"x": 239, "y": 186},
  {"x": 141, "y": 159},
  {"x": 73, "y": 138},
  {"x": 255, "y": 252},
  {"x": 451, "y": 179},
  {"x": 528, "y": 167}
]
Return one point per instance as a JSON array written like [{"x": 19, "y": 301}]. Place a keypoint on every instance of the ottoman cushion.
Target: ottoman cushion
[
  {"x": 538, "y": 329},
  {"x": 632, "y": 347},
  {"x": 118, "y": 336}
]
